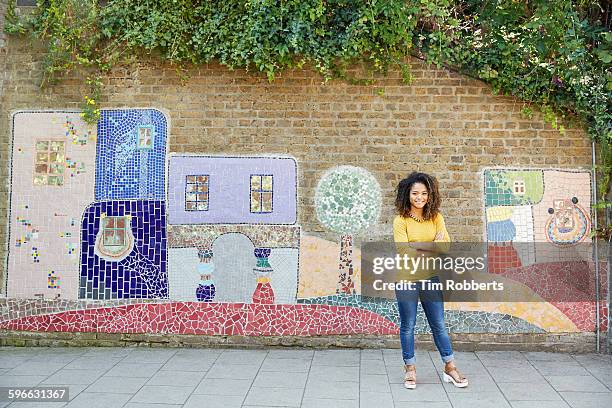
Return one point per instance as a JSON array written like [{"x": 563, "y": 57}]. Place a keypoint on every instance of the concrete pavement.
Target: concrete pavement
[{"x": 347, "y": 378}]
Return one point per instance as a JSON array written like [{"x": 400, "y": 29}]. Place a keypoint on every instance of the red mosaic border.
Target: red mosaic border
[{"x": 211, "y": 319}]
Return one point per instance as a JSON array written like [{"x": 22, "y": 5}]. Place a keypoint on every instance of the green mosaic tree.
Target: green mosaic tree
[{"x": 347, "y": 201}]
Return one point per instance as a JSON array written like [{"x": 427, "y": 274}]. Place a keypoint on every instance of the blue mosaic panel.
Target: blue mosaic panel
[
  {"x": 501, "y": 231},
  {"x": 143, "y": 273},
  {"x": 131, "y": 154}
]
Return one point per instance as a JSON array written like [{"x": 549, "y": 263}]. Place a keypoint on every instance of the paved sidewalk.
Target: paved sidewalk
[{"x": 209, "y": 378}]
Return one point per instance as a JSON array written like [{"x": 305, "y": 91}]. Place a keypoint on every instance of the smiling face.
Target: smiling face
[{"x": 418, "y": 195}]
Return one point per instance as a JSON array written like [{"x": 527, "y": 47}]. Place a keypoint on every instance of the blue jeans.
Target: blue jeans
[{"x": 433, "y": 305}]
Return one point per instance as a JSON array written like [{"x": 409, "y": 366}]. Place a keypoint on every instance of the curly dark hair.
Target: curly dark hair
[{"x": 402, "y": 201}]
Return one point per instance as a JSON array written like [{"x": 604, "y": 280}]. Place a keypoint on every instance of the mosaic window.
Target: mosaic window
[
  {"x": 50, "y": 164},
  {"x": 145, "y": 137},
  {"x": 519, "y": 187},
  {"x": 261, "y": 193},
  {"x": 196, "y": 193},
  {"x": 115, "y": 238}
]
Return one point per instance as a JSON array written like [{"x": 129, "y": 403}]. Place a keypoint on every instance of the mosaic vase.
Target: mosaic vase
[
  {"x": 263, "y": 294},
  {"x": 205, "y": 292}
]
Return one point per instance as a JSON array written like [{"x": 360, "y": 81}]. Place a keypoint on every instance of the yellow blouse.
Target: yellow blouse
[
  {"x": 406, "y": 229},
  {"x": 411, "y": 230}
]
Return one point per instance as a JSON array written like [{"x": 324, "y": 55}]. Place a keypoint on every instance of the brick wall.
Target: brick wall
[
  {"x": 444, "y": 123},
  {"x": 3, "y": 7}
]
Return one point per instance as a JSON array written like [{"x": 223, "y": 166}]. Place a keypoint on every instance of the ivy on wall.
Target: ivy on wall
[{"x": 555, "y": 55}]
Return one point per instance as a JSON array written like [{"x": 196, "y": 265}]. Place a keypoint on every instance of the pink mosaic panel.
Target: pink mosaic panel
[
  {"x": 45, "y": 217},
  {"x": 559, "y": 185},
  {"x": 211, "y": 319}
]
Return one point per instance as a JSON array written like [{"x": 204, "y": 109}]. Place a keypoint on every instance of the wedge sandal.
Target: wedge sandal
[
  {"x": 410, "y": 376},
  {"x": 453, "y": 376}
]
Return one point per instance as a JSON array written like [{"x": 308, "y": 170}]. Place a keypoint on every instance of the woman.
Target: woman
[{"x": 418, "y": 222}]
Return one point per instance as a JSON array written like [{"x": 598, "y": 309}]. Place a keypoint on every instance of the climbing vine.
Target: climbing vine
[{"x": 555, "y": 55}]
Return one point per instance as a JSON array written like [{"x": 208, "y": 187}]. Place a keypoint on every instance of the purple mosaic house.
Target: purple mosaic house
[{"x": 231, "y": 190}]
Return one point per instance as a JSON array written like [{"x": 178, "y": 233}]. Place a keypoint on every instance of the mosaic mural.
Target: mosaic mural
[{"x": 97, "y": 243}]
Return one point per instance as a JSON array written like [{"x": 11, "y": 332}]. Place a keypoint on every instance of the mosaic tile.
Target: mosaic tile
[
  {"x": 550, "y": 281},
  {"x": 346, "y": 283},
  {"x": 234, "y": 263},
  {"x": 197, "y": 192},
  {"x": 239, "y": 190},
  {"x": 513, "y": 187},
  {"x": 141, "y": 271},
  {"x": 285, "y": 266},
  {"x": 52, "y": 179},
  {"x": 522, "y": 218},
  {"x": 457, "y": 321},
  {"x": 185, "y": 276},
  {"x": 501, "y": 231},
  {"x": 318, "y": 257},
  {"x": 202, "y": 236},
  {"x": 131, "y": 154}
]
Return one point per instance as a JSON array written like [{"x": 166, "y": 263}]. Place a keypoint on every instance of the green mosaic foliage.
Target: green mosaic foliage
[
  {"x": 500, "y": 186},
  {"x": 348, "y": 200}
]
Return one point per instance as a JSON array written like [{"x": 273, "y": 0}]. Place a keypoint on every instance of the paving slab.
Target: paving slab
[
  {"x": 479, "y": 400},
  {"x": 373, "y": 367},
  {"x": 422, "y": 393},
  {"x": 329, "y": 403},
  {"x": 284, "y": 397},
  {"x": 163, "y": 394},
  {"x": 176, "y": 378},
  {"x": 235, "y": 371},
  {"x": 374, "y": 383},
  {"x": 36, "y": 368},
  {"x": 133, "y": 370},
  {"x": 539, "y": 404},
  {"x": 529, "y": 392},
  {"x": 516, "y": 375},
  {"x": 280, "y": 379},
  {"x": 341, "y": 373},
  {"x": 547, "y": 368},
  {"x": 224, "y": 386},
  {"x": 214, "y": 401},
  {"x": 119, "y": 385},
  {"x": 67, "y": 377},
  {"x": 98, "y": 400},
  {"x": 588, "y": 399},
  {"x": 327, "y": 388},
  {"x": 375, "y": 399},
  {"x": 288, "y": 365},
  {"x": 578, "y": 383}
]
